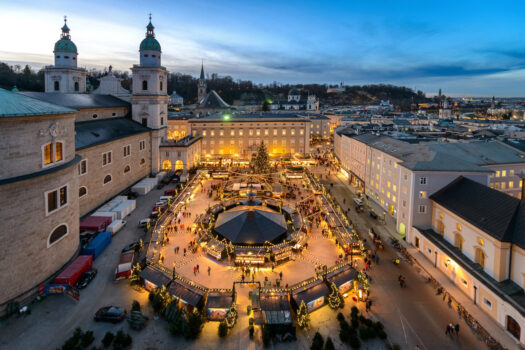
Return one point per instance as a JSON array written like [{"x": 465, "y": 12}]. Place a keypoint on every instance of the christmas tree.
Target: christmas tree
[
  {"x": 302, "y": 315},
  {"x": 335, "y": 299},
  {"x": 261, "y": 163}
]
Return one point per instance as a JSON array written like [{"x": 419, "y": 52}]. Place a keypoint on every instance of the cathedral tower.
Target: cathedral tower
[
  {"x": 65, "y": 76},
  {"x": 149, "y": 98},
  {"x": 201, "y": 89}
]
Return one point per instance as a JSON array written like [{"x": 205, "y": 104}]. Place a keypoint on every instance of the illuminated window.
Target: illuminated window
[
  {"x": 458, "y": 241},
  {"x": 503, "y": 173},
  {"x": 440, "y": 227},
  {"x": 212, "y": 133},
  {"x": 56, "y": 199},
  {"x": 240, "y": 133},
  {"x": 503, "y": 185},
  {"x": 511, "y": 172},
  {"x": 127, "y": 169},
  {"x": 479, "y": 257},
  {"x": 301, "y": 132},
  {"x": 53, "y": 153},
  {"x": 481, "y": 242},
  {"x": 394, "y": 187},
  {"x": 511, "y": 184},
  {"x": 251, "y": 132},
  {"x": 204, "y": 133},
  {"x": 394, "y": 199},
  {"x": 498, "y": 173},
  {"x": 395, "y": 165},
  {"x": 221, "y": 133},
  {"x": 388, "y": 184},
  {"x": 459, "y": 227},
  {"x": 266, "y": 132},
  {"x": 232, "y": 133},
  {"x": 422, "y": 194}
]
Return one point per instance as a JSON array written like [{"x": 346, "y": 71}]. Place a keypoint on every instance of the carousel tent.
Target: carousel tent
[{"x": 251, "y": 225}]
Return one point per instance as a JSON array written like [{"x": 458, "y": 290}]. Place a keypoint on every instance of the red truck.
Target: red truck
[{"x": 123, "y": 269}]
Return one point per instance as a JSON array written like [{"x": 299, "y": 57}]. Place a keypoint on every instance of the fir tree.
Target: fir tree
[
  {"x": 261, "y": 163},
  {"x": 335, "y": 299},
  {"x": 303, "y": 318}
]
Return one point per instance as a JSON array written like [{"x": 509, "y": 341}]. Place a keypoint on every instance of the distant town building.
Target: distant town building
[
  {"x": 176, "y": 100},
  {"x": 296, "y": 102}
]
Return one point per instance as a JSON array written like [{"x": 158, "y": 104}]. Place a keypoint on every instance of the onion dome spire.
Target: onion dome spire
[{"x": 65, "y": 30}]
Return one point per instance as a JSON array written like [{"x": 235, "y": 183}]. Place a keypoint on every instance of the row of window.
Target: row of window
[
  {"x": 251, "y": 132},
  {"x": 503, "y": 173},
  {"x": 503, "y": 184}
]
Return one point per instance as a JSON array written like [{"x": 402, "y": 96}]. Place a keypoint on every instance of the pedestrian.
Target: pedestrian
[
  {"x": 447, "y": 331},
  {"x": 456, "y": 328},
  {"x": 209, "y": 270},
  {"x": 184, "y": 251},
  {"x": 198, "y": 268},
  {"x": 367, "y": 305},
  {"x": 194, "y": 271},
  {"x": 281, "y": 275}
]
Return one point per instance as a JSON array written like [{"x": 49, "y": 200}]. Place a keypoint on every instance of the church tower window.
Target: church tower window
[
  {"x": 144, "y": 85},
  {"x": 57, "y": 86},
  {"x": 76, "y": 86},
  {"x": 161, "y": 86}
]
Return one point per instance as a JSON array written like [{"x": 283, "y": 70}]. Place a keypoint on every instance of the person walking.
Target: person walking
[
  {"x": 198, "y": 268},
  {"x": 447, "y": 330},
  {"x": 209, "y": 270},
  {"x": 456, "y": 328},
  {"x": 281, "y": 275}
]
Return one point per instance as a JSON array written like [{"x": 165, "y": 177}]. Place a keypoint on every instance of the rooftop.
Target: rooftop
[
  {"x": 14, "y": 104},
  {"x": 78, "y": 101},
  {"x": 213, "y": 100},
  {"x": 496, "y": 213},
  {"x": 250, "y": 117},
  {"x": 96, "y": 132}
]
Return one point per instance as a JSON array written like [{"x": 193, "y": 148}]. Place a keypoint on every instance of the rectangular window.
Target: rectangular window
[
  {"x": 127, "y": 151},
  {"x": 212, "y": 133},
  {"x": 106, "y": 158},
  {"x": 204, "y": 133},
  {"x": 142, "y": 145},
  {"x": 422, "y": 194},
  {"x": 498, "y": 173},
  {"x": 301, "y": 132},
  {"x": 48, "y": 154},
  {"x": 232, "y": 133},
  {"x": 503, "y": 185},
  {"x": 423, "y": 180},
  {"x": 251, "y": 132},
  {"x": 82, "y": 167},
  {"x": 394, "y": 187},
  {"x": 422, "y": 209},
  {"x": 258, "y": 132},
  {"x": 58, "y": 152},
  {"x": 221, "y": 133},
  {"x": 511, "y": 172},
  {"x": 487, "y": 303},
  {"x": 56, "y": 199},
  {"x": 511, "y": 184},
  {"x": 240, "y": 132},
  {"x": 503, "y": 173}
]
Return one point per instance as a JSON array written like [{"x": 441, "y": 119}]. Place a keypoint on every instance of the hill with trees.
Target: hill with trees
[{"x": 232, "y": 91}]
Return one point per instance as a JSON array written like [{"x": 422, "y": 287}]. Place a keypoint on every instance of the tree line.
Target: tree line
[{"x": 230, "y": 90}]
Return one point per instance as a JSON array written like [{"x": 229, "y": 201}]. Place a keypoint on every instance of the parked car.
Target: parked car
[
  {"x": 373, "y": 214},
  {"x": 144, "y": 222},
  {"x": 86, "y": 277},
  {"x": 131, "y": 246},
  {"x": 160, "y": 185},
  {"x": 110, "y": 314}
]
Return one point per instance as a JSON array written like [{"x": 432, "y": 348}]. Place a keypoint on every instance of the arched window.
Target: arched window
[
  {"x": 458, "y": 241},
  {"x": 57, "y": 234},
  {"x": 479, "y": 256},
  {"x": 107, "y": 179},
  {"x": 142, "y": 161},
  {"x": 144, "y": 85},
  {"x": 127, "y": 169},
  {"x": 513, "y": 327},
  {"x": 57, "y": 86},
  {"x": 82, "y": 191},
  {"x": 179, "y": 165},
  {"x": 166, "y": 165},
  {"x": 76, "y": 86},
  {"x": 161, "y": 86}
]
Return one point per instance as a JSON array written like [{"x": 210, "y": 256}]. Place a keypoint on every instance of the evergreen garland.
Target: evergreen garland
[
  {"x": 335, "y": 299},
  {"x": 303, "y": 318}
]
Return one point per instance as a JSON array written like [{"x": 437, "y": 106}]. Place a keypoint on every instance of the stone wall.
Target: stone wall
[
  {"x": 93, "y": 180},
  {"x": 86, "y": 114}
]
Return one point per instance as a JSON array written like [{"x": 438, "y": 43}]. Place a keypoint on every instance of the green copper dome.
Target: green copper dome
[
  {"x": 149, "y": 44},
  {"x": 65, "y": 45}
]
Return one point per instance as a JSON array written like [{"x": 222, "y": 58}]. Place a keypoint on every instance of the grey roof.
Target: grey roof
[
  {"x": 78, "y": 101},
  {"x": 190, "y": 294},
  {"x": 496, "y": 213},
  {"x": 92, "y": 133},
  {"x": 518, "y": 144},
  {"x": 277, "y": 302},
  {"x": 312, "y": 292},
  {"x": 433, "y": 156},
  {"x": 401, "y": 122},
  {"x": 13, "y": 104},
  {"x": 155, "y": 276},
  {"x": 251, "y": 225},
  {"x": 213, "y": 100},
  {"x": 216, "y": 300},
  {"x": 251, "y": 117}
]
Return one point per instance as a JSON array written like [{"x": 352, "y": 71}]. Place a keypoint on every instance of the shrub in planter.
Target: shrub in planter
[
  {"x": 364, "y": 333},
  {"x": 369, "y": 322},
  {"x": 194, "y": 326},
  {"x": 379, "y": 326},
  {"x": 135, "y": 306},
  {"x": 354, "y": 311},
  {"x": 87, "y": 339},
  {"x": 354, "y": 342},
  {"x": 108, "y": 339},
  {"x": 223, "y": 329},
  {"x": 266, "y": 336},
  {"x": 355, "y": 322},
  {"x": 344, "y": 336},
  {"x": 329, "y": 344},
  {"x": 122, "y": 340},
  {"x": 340, "y": 317},
  {"x": 381, "y": 334},
  {"x": 317, "y": 342}
]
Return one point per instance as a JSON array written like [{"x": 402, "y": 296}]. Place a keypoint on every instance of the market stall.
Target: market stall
[
  {"x": 218, "y": 304},
  {"x": 154, "y": 278},
  {"x": 343, "y": 278},
  {"x": 189, "y": 294},
  {"x": 312, "y": 294}
]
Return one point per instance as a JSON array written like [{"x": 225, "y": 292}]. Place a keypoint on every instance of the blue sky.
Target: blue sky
[{"x": 464, "y": 47}]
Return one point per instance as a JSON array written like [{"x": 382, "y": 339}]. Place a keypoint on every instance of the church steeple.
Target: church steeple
[
  {"x": 202, "y": 71},
  {"x": 65, "y": 30},
  {"x": 150, "y": 29},
  {"x": 201, "y": 86}
]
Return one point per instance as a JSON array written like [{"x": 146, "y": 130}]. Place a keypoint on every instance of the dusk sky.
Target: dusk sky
[{"x": 464, "y": 47}]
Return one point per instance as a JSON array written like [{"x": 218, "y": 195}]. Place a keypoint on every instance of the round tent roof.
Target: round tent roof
[{"x": 251, "y": 225}]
